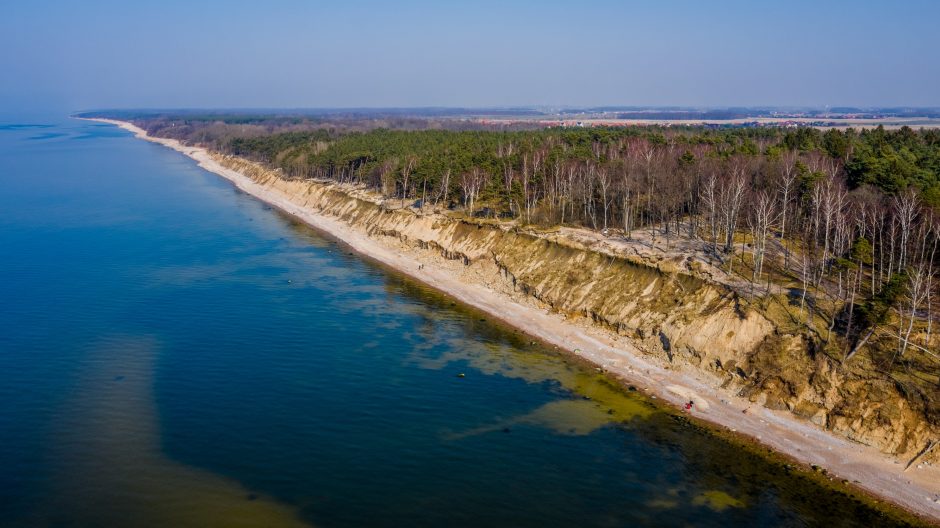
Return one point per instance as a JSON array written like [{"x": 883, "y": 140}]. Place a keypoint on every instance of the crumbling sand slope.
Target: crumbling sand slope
[{"x": 686, "y": 320}]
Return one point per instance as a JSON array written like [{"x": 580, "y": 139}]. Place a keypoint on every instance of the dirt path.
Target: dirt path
[{"x": 918, "y": 489}]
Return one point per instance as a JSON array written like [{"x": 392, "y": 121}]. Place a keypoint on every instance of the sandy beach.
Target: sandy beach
[{"x": 917, "y": 489}]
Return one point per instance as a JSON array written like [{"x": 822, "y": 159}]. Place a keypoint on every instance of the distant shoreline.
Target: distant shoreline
[
  {"x": 872, "y": 471},
  {"x": 781, "y": 118},
  {"x": 768, "y": 122}
]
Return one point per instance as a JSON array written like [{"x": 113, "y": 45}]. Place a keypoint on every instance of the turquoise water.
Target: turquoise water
[{"x": 175, "y": 353}]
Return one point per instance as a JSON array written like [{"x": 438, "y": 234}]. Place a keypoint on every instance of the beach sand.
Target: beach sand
[{"x": 917, "y": 489}]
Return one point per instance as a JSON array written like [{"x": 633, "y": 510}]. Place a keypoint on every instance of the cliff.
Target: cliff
[{"x": 682, "y": 320}]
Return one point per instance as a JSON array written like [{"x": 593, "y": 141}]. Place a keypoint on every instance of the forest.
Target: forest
[{"x": 843, "y": 221}]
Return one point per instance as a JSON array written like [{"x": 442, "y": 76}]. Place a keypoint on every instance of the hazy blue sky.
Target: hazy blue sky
[{"x": 94, "y": 54}]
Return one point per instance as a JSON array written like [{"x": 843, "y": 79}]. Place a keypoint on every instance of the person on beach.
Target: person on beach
[{"x": 688, "y": 406}]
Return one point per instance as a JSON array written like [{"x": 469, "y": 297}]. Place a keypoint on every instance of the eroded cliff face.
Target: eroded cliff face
[{"x": 687, "y": 321}]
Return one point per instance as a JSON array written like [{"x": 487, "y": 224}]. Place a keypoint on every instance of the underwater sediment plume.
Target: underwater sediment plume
[{"x": 109, "y": 466}]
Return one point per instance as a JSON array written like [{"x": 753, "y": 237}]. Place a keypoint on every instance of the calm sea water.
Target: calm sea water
[{"x": 175, "y": 353}]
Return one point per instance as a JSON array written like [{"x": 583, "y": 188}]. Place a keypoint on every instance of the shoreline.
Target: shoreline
[{"x": 877, "y": 474}]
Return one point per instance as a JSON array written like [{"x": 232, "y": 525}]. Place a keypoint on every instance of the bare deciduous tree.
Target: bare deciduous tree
[{"x": 762, "y": 215}]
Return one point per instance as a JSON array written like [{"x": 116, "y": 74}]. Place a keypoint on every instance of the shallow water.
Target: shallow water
[{"x": 175, "y": 353}]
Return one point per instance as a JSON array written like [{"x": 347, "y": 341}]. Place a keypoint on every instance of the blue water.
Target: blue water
[{"x": 176, "y": 353}]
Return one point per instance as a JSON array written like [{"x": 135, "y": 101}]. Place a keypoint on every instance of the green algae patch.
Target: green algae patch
[
  {"x": 600, "y": 395},
  {"x": 594, "y": 399},
  {"x": 797, "y": 485},
  {"x": 562, "y": 417},
  {"x": 663, "y": 503},
  {"x": 717, "y": 500},
  {"x": 568, "y": 417}
]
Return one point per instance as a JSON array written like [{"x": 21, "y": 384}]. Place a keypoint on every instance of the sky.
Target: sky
[{"x": 77, "y": 55}]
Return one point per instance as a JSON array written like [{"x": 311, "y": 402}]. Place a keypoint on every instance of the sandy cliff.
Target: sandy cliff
[{"x": 685, "y": 321}]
